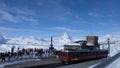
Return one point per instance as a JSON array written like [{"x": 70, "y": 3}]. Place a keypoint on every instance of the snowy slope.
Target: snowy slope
[{"x": 114, "y": 48}]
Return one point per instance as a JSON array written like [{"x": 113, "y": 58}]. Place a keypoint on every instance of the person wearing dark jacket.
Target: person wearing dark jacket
[{"x": 2, "y": 57}]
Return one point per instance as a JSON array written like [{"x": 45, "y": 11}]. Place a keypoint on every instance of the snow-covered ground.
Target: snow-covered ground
[
  {"x": 15, "y": 62},
  {"x": 58, "y": 42},
  {"x": 115, "y": 64}
]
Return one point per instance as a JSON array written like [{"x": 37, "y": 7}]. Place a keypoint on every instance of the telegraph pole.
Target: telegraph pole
[
  {"x": 51, "y": 44},
  {"x": 108, "y": 44}
]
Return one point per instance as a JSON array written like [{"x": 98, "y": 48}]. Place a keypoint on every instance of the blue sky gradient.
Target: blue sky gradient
[{"x": 45, "y": 18}]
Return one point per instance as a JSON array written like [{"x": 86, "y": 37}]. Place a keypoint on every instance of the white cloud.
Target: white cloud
[
  {"x": 57, "y": 10},
  {"x": 24, "y": 11},
  {"x": 7, "y": 16},
  {"x": 95, "y": 14},
  {"x": 101, "y": 23},
  {"x": 49, "y": 3},
  {"x": 3, "y": 29},
  {"x": 16, "y": 15},
  {"x": 68, "y": 29},
  {"x": 27, "y": 19},
  {"x": 7, "y": 29}
]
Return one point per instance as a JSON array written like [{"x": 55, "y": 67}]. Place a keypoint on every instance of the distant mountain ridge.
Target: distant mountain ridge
[{"x": 64, "y": 39}]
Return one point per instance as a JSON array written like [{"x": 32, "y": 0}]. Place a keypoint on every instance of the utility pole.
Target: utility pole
[
  {"x": 51, "y": 44},
  {"x": 108, "y": 44}
]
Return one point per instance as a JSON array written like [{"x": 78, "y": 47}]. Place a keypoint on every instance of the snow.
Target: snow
[
  {"x": 114, "y": 48},
  {"x": 115, "y": 64},
  {"x": 93, "y": 65},
  {"x": 15, "y": 62}
]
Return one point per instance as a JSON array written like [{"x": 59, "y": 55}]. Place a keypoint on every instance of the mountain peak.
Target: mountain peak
[
  {"x": 2, "y": 39},
  {"x": 65, "y": 35},
  {"x": 65, "y": 38}
]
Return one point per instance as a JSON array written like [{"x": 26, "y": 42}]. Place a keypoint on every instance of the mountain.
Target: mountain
[
  {"x": 2, "y": 39},
  {"x": 58, "y": 42},
  {"x": 65, "y": 38},
  {"x": 27, "y": 41}
]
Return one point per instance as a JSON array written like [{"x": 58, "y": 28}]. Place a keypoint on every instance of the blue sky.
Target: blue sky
[{"x": 45, "y": 18}]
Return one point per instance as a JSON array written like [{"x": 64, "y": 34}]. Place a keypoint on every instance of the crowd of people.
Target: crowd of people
[{"x": 26, "y": 53}]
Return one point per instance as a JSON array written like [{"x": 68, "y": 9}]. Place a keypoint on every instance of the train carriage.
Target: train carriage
[{"x": 69, "y": 56}]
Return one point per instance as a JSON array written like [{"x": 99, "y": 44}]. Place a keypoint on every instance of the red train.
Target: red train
[{"x": 68, "y": 56}]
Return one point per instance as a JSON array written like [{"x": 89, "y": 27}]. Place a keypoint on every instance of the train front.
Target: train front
[{"x": 64, "y": 56}]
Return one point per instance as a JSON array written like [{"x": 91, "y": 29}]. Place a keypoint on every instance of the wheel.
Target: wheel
[{"x": 63, "y": 62}]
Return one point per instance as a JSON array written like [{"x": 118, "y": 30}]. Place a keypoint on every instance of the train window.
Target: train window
[
  {"x": 88, "y": 53},
  {"x": 99, "y": 53},
  {"x": 74, "y": 54},
  {"x": 81, "y": 53},
  {"x": 84, "y": 53},
  {"x": 62, "y": 54},
  {"x": 92, "y": 53}
]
